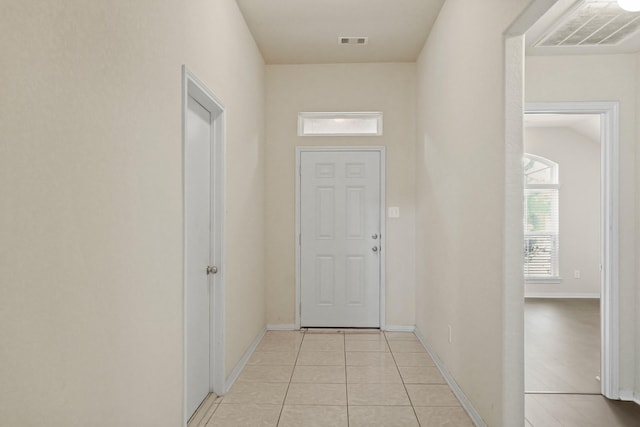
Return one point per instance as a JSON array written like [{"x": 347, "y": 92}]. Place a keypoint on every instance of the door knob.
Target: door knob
[
  {"x": 374, "y": 249},
  {"x": 212, "y": 269},
  {"x": 374, "y": 236}
]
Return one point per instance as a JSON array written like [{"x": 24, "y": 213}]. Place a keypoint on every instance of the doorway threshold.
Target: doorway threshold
[{"x": 320, "y": 330}]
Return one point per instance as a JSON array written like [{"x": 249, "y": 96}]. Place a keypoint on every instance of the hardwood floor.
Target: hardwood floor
[
  {"x": 562, "y": 345},
  {"x": 576, "y": 410},
  {"x": 562, "y": 361}
]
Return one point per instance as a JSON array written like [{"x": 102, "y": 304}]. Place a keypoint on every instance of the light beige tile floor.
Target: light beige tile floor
[{"x": 336, "y": 378}]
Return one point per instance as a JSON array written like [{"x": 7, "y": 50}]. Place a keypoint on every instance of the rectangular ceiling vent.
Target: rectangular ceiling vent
[
  {"x": 353, "y": 40},
  {"x": 592, "y": 23}
]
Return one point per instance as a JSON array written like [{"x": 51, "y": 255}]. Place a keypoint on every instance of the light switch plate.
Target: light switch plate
[{"x": 394, "y": 212}]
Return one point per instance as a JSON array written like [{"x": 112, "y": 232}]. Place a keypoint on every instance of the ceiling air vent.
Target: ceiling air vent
[
  {"x": 592, "y": 23},
  {"x": 353, "y": 40}
]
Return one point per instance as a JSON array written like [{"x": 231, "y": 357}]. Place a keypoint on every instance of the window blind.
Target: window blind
[
  {"x": 541, "y": 232},
  {"x": 541, "y": 217}
]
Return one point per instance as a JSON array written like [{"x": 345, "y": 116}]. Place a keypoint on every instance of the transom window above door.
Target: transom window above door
[
  {"x": 541, "y": 219},
  {"x": 340, "y": 124}
]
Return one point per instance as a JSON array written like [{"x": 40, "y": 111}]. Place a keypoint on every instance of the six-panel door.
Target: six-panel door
[{"x": 340, "y": 239}]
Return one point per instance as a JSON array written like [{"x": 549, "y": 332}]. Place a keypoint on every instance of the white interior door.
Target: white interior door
[
  {"x": 340, "y": 240},
  {"x": 197, "y": 253}
]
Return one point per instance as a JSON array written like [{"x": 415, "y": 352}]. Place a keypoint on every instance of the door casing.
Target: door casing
[
  {"x": 383, "y": 233},
  {"x": 192, "y": 87},
  {"x": 609, "y": 230}
]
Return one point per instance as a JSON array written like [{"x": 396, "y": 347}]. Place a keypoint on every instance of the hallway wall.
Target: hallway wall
[
  {"x": 225, "y": 55},
  {"x": 605, "y": 78},
  {"x": 91, "y": 307},
  {"x": 389, "y": 88},
  {"x": 460, "y": 202}
]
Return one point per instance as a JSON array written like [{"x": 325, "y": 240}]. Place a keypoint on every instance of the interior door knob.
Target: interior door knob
[
  {"x": 374, "y": 236},
  {"x": 374, "y": 249}
]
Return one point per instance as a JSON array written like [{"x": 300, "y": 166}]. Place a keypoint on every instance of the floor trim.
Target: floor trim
[
  {"x": 292, "y": 327},
  {"x": 400, "y": 328},
  {"x": 629, "y": 396},
  {"x": 560, "y": 295},
  {"x": 573, "y": 393},
  {"x": 235, "y": 373},
  {"x": 464, "y": 400},
  {"x": 281, "y": 327}
]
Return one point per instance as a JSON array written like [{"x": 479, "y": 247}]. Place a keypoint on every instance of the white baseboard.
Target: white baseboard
[
  {"x": 292, "y": 327},
  {"x": 457, "y": 391},
  {"x": 629, "y": 396},
  {"x": 559, "y": 295},
  {"x": 281, "y": 327},
  {"x": 235, "y": 373},
  {"x": 626, "y": 395},
  {"x": 400, "y": 328},
  {"x": 636, "y": 397}
]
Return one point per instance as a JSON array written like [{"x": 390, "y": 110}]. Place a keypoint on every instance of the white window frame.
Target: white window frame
[
  {"x": 375, "y": 115},
  {"x": 554, "y": 277}
]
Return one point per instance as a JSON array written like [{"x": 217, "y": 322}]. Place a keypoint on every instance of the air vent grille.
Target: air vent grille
[
  {"x": 592, "y": 23},
  {"x": 353, "y": 40}
]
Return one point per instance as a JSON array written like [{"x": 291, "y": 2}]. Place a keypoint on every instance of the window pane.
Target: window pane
[
  {"x": 539, "y": 171},
  {"x": 541, "y": 211},
  {"x": 539, "y": 176},
  {"x": 340, "y": 124},
  {"x": 541, "y": 217}
]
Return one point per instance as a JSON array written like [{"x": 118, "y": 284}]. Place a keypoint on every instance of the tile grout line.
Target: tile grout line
[
  {"x": 528, "y": 421},
  {"x": 317, "y": 403},
  {"x": 402, "y": 379},
  {"x": 295, "y": 363},
  {"x": 346, "y": 380},
  {"x": 203, "y": 408},
  {"x": 214, "y": 411}
]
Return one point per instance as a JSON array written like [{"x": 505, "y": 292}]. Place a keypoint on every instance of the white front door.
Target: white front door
[
  {"x": 197, "y": 187},
  {"x": 340, "y": 242}
]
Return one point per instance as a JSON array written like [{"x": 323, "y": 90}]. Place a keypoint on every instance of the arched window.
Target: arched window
[{"x": 541, "y": 218}]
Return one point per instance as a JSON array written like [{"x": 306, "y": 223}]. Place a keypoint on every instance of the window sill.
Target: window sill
[{"x": 543, "y": 280}]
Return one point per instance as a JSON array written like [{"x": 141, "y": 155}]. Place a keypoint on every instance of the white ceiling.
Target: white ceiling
[
  {"x": 559, "y": 13},
  {"x": 587, "y": 125},
  {"x": 307, "y": 31}
]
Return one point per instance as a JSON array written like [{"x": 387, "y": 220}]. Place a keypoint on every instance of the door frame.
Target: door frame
[
  {"x": 513, "y": 280},
  {"x": 192, "y": 86},
  {"x": 383, "y": 233},
  {"x": 609, "y": 231}
]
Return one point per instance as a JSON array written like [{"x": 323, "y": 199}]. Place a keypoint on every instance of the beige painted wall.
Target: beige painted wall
[
  {"x": 578, "y": 158},
  {"x": 604, "y": 78},
  {"x": 460, "y": 197},
  {"x": 223, "y": 53},
  {"x": 91, "y": 220},
  {"x": 349, "y": 87}
]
